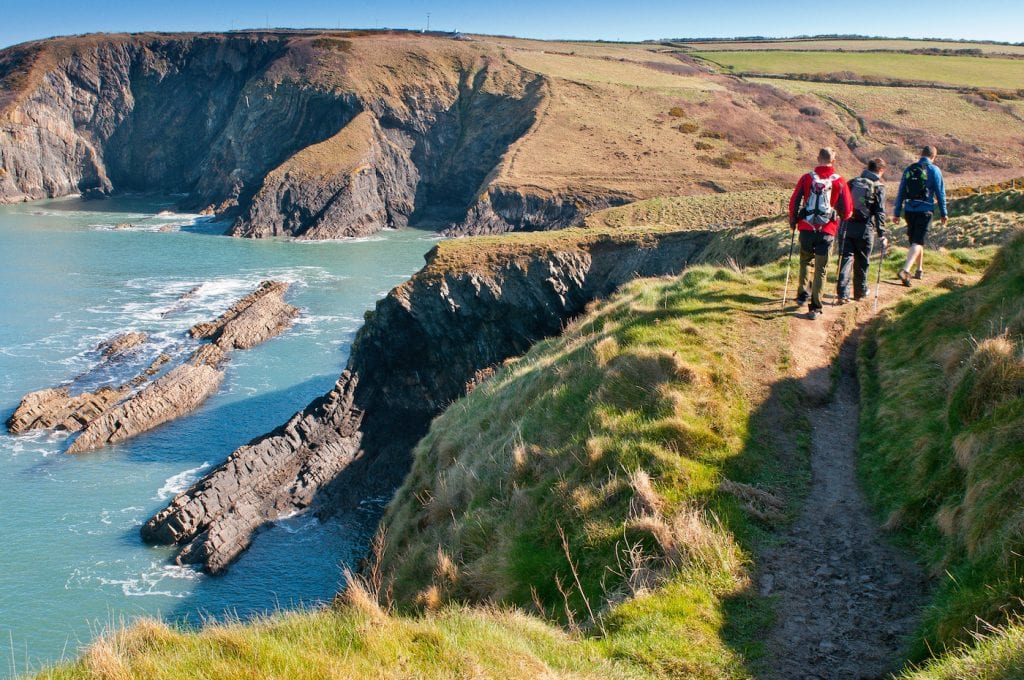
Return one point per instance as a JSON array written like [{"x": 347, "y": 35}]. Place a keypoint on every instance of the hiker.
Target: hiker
[
  {"x": 856, "y": 239},
  {"x": 820, "y": 200},
  {"x": 921, "y": 187}
]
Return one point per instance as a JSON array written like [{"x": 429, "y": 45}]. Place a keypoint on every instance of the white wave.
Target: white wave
[
  {"x": 148, "y": 582},
  {"x": 175, "y": 484}
]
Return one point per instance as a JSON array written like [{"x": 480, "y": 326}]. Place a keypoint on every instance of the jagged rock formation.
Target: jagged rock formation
[
  {"x": 289, "y": 133},
  {"x": 411, "y": 359},
  {"x": 278, "y": 473},
  {"x": 259, "y": 316},
  {"x": 113, "y": 414},
  {"x": 179, "y": 392},
  {"x": 122, "y": 343}
]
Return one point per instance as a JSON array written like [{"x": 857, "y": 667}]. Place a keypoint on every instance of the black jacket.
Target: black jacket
[{"x": 855, "y": 227}]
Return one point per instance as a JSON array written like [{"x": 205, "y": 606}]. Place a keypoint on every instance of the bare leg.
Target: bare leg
[
  {"x": 920, "y": 259},
  {"x": 915, "y": 253}
]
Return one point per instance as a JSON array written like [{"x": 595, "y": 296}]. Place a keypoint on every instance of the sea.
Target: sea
[{"x": 75, "y": 273}]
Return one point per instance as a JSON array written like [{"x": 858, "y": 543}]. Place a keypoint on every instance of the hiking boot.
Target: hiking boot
[
  {"x": 813, "y": 314},
  {"x": 842, "y": 300},
  {"x": 919, "y": 274},
  {"x": 860, "y": 296},
  {"x": 802, "y": 298},
  {"x": 904, "y": 276}
]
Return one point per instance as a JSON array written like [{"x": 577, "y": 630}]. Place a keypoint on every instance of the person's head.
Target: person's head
[
  {"x": 827, "y": 156},
  {"x": 929, "y": 152},
  {"x": 877, "y": 166}
]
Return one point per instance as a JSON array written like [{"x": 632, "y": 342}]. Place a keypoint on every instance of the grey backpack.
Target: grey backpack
[
  {"x": 864, "y": 193},
  {"x": 818, "y": 210}
]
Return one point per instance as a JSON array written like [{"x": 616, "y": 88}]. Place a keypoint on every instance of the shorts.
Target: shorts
[{"x": 917, "y": 226}]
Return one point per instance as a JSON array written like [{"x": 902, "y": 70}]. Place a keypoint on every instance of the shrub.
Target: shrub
[
  {"x": 902, "y": 112},
  {"x": 688, "y": 128},
  {"x": 810, "y": 110},
  {"x": 676, "y": 112},
  {"x": 703, "y": 146},
  {"x": 711, "y": 134}
]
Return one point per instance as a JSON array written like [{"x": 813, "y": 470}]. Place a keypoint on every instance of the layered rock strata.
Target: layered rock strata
[
  {"x": 259, "y": 316},
  {"x": 109, "y": 415},
  {"x": 411, "y": 359},
  {"x": 282, "y": 133},
  {"x": 277, "y": 473},
  {"x": 173, "y": 395}
]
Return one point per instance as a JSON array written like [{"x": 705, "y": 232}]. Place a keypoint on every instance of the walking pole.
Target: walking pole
[
  {"x": 839, "y": 260},
  {"x": 881, "y": 261},
  {"x": 789, "y": 266}
]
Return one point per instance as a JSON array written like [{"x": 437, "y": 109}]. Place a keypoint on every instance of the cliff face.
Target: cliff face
[
  {"x": 288, "y": 134},
  {"x": 414, "y": 356}
]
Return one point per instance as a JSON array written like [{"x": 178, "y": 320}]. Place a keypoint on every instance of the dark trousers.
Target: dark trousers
[
  {"x": 814, "y": 247},
  {"x": 855, "y": 257}
]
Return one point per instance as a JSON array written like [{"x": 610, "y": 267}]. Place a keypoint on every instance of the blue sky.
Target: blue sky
[{"x": 22, "y": 20}]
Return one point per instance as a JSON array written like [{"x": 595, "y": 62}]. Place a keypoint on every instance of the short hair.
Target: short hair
[
  {"x": 929, "y": 151},
  {"x": 876, "y": 164},
  {"x": 826, "y": 155}
]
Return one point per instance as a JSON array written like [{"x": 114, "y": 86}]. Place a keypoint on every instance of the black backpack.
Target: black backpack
[
  {"x": 864, "y": 193},
  {"x": 915, "y": 182}
]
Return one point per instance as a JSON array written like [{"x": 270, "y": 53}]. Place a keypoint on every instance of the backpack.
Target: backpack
[
  {"x": 915, "y": 182},
  {"x": 864, "y": 193},
  {"x": 818, "y": 210}
]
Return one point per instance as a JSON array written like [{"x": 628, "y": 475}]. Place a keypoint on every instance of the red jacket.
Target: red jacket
[{"x": 841, "y": 200}]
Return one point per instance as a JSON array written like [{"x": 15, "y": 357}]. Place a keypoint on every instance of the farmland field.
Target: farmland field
[
  {"x": 852, "y": 46},
  {"x": 963, "y": 71},
  {"x": 992, "y": 126}
]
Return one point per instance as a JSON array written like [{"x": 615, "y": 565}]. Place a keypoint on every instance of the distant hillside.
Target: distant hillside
[{"x": 342, "y": 133}]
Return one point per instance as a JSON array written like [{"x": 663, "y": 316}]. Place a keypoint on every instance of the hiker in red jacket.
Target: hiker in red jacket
[{"x": 821, "y": 199}]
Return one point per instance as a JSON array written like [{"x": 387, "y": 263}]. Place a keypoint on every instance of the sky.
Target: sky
[{"x": 1002, "y": 20}]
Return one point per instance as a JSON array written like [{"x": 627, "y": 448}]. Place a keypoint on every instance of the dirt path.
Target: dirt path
[{"x": 846, "y": 599}]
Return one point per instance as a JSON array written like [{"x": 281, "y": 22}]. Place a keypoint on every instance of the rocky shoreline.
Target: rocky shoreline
[
  {"x": 411, "y": 359},
  {"x": 109, "y": 415}
]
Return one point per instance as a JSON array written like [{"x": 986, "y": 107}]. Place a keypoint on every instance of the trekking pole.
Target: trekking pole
[
  {"x": 839, "y": 260},
  {"x": 878, "y": 283},
  {"x": 789, "y": 266}
]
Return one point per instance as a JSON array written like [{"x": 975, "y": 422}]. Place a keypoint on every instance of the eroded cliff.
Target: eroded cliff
[
  {"x": 470, "y": 308},
  {"x": 284, "y": 133}
]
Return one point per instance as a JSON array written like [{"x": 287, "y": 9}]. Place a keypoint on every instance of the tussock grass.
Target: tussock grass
[
  {"x": 584, "y": 481},
  {"x": 348, "y": 642},
  {"x": 942, "y": 428}
]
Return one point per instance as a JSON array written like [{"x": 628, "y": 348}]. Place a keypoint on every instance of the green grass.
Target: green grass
[
  {"x": 949, "y": 70},
  {"x": 349, "y": 641},
  {"x": 618, "y": 433},
  {"x": 998, "y": 655},
  {"x": 942, "y": 378}
]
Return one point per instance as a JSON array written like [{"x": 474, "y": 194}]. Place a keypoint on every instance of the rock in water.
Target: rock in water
[
  {"x": 56, "y": 408},
  {"x": 277, "y": 474},
  {"x": 122, "y": 343},
  {"x": 175, "y": 394},
  {"x": 257, "y": 317}
]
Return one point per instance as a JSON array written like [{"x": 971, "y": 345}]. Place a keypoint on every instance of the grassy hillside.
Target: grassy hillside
[
  {"x": 967, "y": 71},
  {"x": 943, "y": 420},
  {"x": 852, "y": 45}
]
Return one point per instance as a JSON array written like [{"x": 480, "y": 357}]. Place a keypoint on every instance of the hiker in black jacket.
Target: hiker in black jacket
[{"x": 858, "y": 232}]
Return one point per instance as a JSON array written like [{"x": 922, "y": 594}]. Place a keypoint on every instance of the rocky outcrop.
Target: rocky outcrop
[
  {"x": 502, "y": 209},
  {"x": 179, "y": 392},
  {"x": 277, "y": 474},
  {"x": 259, "y": 316},
  {"x": 288, "y": 133},
  {"x": 56, "y": 408},
  {"x": 122, "y": 343},
  {"x": 411, "y": 359},
  {"x": 109, "y": 415}
]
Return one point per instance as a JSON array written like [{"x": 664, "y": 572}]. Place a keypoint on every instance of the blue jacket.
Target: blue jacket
[{"x": 936, "y": 192}]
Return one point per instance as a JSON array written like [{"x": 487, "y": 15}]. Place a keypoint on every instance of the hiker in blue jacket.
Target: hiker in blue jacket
[{"x": 921, "y": 189}]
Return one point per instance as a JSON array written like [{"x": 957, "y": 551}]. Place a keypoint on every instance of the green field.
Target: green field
[
  {"x": 962, "y": 71},
  {"x": 852, "y": 45}
]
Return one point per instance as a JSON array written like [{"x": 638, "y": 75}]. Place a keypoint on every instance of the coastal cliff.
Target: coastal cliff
[
  {"x": 418, "y": 351},
  {"x": 296, "y": 134}
]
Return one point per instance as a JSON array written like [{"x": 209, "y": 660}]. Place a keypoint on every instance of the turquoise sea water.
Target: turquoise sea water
[{"x": 71, "y": 562}]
